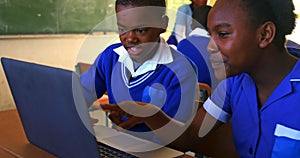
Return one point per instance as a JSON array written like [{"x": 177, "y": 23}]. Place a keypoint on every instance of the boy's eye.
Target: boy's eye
[
  {"x": 121, "y": 30},
  {"x": 141, "y": 30}
]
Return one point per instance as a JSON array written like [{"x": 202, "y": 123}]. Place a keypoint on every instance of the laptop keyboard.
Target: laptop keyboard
[{"x": 108, "y": 151}]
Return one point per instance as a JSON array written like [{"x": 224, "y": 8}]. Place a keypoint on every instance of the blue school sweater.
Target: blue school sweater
[{"x": 172, "y": 87}]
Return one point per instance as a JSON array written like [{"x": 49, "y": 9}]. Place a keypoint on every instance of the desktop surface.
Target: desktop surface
[{"x": 13, "y": 138}]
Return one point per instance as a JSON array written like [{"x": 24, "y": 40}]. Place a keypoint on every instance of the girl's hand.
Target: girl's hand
[{"x": 135, "y": 112}]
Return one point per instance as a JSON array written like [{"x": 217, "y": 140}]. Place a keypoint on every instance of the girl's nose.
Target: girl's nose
[{"x": 212, "y": 46}]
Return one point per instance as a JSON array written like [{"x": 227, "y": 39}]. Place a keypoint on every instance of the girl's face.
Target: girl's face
[
  {"x": 234, "y": 43},
  {"x": 139, "y": 30}
]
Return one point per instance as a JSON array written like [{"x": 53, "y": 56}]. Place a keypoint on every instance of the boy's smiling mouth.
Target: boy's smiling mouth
[{"x": 134, "y": 50}]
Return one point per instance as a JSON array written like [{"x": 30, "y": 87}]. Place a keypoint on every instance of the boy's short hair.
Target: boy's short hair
[
  {"x": 142, "y": 3},
  {"x": 145, "y": 3}
]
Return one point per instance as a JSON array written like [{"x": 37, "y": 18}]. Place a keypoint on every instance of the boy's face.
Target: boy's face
[
  {"x": 234, "y": 42},
  {"x": 139, "y": 30}
]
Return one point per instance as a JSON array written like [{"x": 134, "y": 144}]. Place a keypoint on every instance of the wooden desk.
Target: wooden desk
[{"x": 12, "y": 137}]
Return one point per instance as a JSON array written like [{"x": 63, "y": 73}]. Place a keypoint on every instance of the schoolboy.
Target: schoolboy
[{"x": 143, "y": 67}]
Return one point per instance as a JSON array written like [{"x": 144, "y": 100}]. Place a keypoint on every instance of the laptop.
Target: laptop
[{"x": 55, "y": 116}]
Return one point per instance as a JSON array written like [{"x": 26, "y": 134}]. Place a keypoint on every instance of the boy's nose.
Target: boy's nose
[{"x": 130, "y": 36}]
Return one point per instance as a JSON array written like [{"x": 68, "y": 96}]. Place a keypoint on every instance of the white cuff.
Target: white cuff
[{"x": 216, "y": 111}]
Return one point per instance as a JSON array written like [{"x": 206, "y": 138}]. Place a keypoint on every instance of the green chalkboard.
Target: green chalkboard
[{"x": 55, "y": 16}]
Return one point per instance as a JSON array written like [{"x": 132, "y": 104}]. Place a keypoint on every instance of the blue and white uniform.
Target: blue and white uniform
[
  {"x": 271, "y": 131},
  {"x": 168, "y": 80},
  {"x": 195, "y": 47}
]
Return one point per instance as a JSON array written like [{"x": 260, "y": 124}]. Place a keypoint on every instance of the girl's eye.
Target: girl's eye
[{"x": 223, "y": 34}]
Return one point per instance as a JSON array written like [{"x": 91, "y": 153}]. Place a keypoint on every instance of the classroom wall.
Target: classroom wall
[
  {"x": 62, "y": 51},
  {"x": 211, "y": 2}
]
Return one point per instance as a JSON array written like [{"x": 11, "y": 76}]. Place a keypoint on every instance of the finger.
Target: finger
[
  {"x": 96, "y": 105},
  {"x": 140, "y": 109},
  {"x": 115, "y": 118},
  {"x": 109, "y": 107},
  {"x": 141, "y": 103},
  {"x": 132, "y": 121},
  {"x": 94, "y": 120}
]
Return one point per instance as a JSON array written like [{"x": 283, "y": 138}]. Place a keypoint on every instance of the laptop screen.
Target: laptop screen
[{"x": 51, "y": 118}]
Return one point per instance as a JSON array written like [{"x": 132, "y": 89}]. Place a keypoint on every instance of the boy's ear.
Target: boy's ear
[
  {"x": 164, "y": 22},
  {"x": 267, "y": 33}
]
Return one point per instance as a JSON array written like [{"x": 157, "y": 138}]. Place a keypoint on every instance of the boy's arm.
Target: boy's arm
[
  {"x": 88, "y": 80},
  {"x": 88, "y": 85}
]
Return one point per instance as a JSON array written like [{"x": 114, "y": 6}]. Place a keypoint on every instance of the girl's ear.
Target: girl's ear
[{"x": 267, "y": 33}]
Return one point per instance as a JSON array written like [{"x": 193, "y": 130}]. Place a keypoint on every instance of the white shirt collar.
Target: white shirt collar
[
  {"x": 162, "y": 56},
  {"x": 199, "y": 32}
]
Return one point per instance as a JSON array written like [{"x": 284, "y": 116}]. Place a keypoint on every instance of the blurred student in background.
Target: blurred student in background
[
  {"x": 195, "y": 46},
  {"x": 293, "y": 48},
  {"x": 182, "y": 26}
]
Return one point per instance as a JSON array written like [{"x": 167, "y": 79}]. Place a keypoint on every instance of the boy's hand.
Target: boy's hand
[
  {"x": 136, "y": 112},
  {"x": 94, "y": 120}
]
